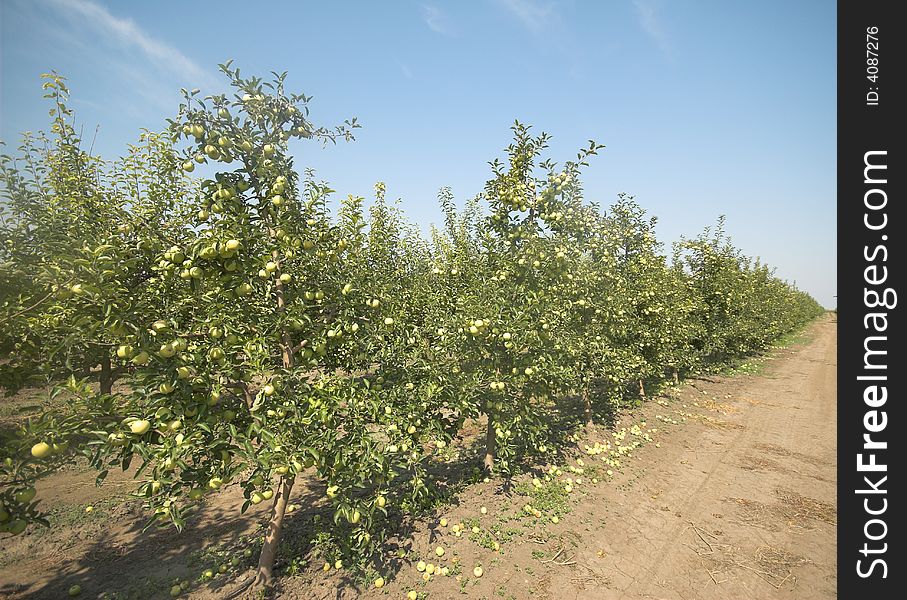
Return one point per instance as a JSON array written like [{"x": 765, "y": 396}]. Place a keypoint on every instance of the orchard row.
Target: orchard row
[{"x": 246, "y": 328}]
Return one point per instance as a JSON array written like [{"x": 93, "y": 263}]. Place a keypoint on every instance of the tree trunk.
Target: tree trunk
[
  {"x": 587, "y": 407},
  {"x": 676, "y": 377},
  {"x": 490, "y": 442},
  {"x": 106, "y": 375},
  {"x": 642, "y": 390},
  {"x": 265, "y": 575}
]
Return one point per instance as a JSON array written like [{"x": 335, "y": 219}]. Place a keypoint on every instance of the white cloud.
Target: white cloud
[
  {"x": 125, "y": 32},
  {"x": 436, "y": 19},
  {"x": 650, "y": 23},
  {"x": 533, "y": 15},
  {"x": 405, "y": 70}
]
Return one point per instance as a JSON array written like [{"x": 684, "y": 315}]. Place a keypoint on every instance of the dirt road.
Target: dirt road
[{"x": 740, "y": 506}]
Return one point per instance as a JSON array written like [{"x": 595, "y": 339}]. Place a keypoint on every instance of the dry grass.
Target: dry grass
[
  {"x": 719, "y": 407},
  {"x": 781, "y": 451},
  {"x": 713, "y": 423},
  {"x": 792, "y": 511},
  {"x": 757, "y": 463},
  {"x": 773, "y": 565}
]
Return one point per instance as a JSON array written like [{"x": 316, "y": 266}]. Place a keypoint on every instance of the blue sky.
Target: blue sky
[{"x": 706, "y": 107}]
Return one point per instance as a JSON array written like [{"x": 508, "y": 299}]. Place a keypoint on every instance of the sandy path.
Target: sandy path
[{"x": 739, "y": 506}]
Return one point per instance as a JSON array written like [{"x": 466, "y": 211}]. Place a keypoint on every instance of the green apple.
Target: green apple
[
  {"x": 41, "y": 450},
  {"x": 140, "y": 426},
  {"x": 141, "y": 359},
  {"x": 25, "y": 496},
  {"x": 16, "y": 526}
]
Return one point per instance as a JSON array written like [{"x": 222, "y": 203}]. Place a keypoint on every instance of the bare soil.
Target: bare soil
[{"x": 726, "y": 489}]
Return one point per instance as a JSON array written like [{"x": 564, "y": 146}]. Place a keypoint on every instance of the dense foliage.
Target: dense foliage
[{"x": 243, "y": 328}]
